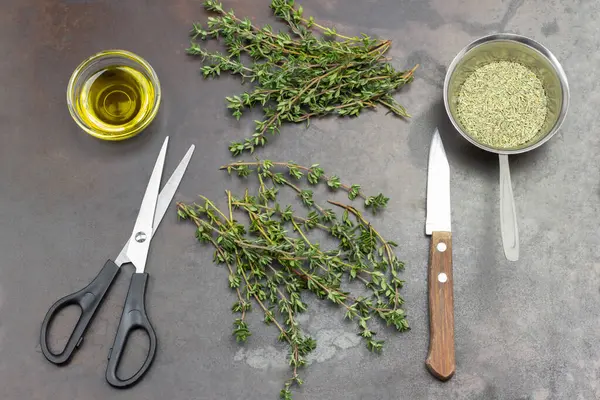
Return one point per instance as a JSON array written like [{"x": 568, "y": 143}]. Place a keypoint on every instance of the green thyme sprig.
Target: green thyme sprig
[
  {"x": 297, "y": 76},
  {"x": 314, "y": 175},
  {"x": 272, "y": 261}
]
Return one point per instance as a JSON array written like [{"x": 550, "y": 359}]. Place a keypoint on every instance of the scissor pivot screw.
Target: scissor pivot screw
[{"x": 140, "y": 237}]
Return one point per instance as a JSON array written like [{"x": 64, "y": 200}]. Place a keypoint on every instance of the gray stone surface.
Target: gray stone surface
[{"x": 525, "y": 330}]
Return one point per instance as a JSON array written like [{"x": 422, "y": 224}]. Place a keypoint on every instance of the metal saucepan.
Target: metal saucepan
[{"x": 510, "y": 47}]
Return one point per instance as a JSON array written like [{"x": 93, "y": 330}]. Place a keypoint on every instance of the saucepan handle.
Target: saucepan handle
[{"x": 508, "y": 214}]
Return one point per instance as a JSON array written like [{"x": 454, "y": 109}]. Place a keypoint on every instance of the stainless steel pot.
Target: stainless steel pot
[{"x": 510, "y": 47}]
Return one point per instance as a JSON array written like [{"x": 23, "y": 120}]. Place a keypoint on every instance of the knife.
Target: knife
[{"x": 440, "y": 359}]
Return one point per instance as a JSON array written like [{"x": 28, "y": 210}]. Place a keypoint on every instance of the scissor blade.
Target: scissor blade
[
  {"x": 139, "y": 242},
  {"x": 438, "y": 188},
  {"x": 168, "y": 191},
  {"x": 164, "y": 199}
]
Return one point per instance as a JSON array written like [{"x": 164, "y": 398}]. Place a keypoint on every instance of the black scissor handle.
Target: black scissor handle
[
  {"x": 134, "y": 317},
  {"x": 88, "y": 299}
]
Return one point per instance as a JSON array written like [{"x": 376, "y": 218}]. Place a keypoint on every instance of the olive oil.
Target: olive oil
[{"x": 115, "y": 99}]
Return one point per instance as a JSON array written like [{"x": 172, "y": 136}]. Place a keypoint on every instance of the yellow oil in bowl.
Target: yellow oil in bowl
[{"x": 113, "y": 95}]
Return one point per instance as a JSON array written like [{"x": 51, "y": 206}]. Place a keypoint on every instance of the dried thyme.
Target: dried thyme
[
  {"x": 502, "y": 104},
  {"x": 272, "y": 262},
  {"x": 312, "y": 71}
]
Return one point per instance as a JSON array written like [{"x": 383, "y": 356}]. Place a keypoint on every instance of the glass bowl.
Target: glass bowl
[{"x": 91, "y": 66}]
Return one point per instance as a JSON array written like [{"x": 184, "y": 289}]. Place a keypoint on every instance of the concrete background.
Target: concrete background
[{"x": 524, "y": 330}]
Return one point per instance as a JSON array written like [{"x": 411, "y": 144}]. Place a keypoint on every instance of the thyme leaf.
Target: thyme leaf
[
  {"x": 312, "y": 71},
  {"x": 273, "y": 262}
]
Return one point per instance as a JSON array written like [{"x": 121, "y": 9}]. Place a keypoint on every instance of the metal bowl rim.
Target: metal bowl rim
[{"x": 533, "y": 45}]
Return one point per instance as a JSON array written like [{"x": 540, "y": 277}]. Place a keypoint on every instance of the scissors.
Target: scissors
[{"x": 135, "y": 251}]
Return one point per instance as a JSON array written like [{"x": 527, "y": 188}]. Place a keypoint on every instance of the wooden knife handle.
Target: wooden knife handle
[{"x": 441, "y": 359}]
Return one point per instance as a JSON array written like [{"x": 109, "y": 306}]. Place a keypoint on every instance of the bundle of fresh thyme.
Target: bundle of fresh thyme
[
  {"x": 270, "y": 267},
  {"x": 297, "y": 76}
]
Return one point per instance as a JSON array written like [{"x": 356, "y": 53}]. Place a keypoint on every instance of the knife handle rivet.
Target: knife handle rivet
[
  {"x": 441, "y": 247},
  {"x": 442, "y": 277}
]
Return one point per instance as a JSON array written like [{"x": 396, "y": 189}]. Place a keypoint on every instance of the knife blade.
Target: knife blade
[{"x": 441, "y": 356}]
